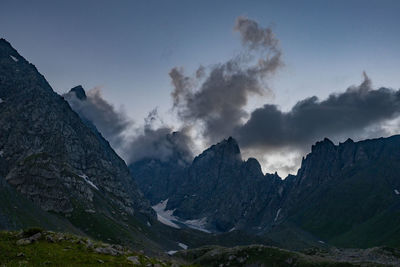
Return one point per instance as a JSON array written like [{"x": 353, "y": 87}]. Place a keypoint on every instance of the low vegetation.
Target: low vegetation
[{"x": 34, "y": 247}]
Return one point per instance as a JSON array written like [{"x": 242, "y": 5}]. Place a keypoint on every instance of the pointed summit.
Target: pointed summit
[
  {"x": 227, "y": 151},
  {"x": 79, "y": 92},
  {"x": 230, "y": 144}
]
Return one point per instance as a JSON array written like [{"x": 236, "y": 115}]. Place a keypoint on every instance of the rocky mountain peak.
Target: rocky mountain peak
[
  {"x": 51, "y": 156},
  {"x": 323, "y": 145},
  {"x": 4, "y": 44},
  {"x": 253, "y": 166},
  {"x": 79, "y": 92},
  {"x": 226, "y": 151}
]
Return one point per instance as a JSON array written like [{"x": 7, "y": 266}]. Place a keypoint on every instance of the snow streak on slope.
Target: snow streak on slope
[
  {"x": 86, "y": 178},
  {"x": 166, "y": 217}
]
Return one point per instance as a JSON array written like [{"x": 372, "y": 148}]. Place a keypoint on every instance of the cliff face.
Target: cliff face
[
  {"x": 348, "y": 194},
  {"x": 217, "y": 191},
  {"x": 50, "y": 156}
]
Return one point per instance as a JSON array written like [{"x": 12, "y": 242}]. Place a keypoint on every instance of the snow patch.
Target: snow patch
[
  {"x": 277, "y": 215},
  {"x": 14, "y": 58},
  {"x": 1, "y": 100},
  {"x": 171, "y": 252},
  {"x": 183, "y": 246},
  {"x": 396, "y": 192},
  {"x": 148, "y": 224},
  {"x": 1, "y": 153},
  {"x": 198, "y": 224},
  {"x": 86, "y": 178},
  {"x": 232, "y": 229},
  {"x": 165, "y": 216}
]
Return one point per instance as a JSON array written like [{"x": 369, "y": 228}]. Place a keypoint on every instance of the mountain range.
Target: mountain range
[
  {"x": 344, "y": 195},
  {"x": 57, "y": 171}
]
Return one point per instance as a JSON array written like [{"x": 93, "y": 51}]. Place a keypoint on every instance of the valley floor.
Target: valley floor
[{"x": 35, "y": 247}]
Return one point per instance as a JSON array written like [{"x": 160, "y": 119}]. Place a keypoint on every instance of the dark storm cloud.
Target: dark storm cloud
[
  {"x": 95, "y": 108},
  {"x": 310, "y": 119},
  {"x": 216, "y": 97},
  {"x": 253, "y": 35},
  {"x": 159, "y": 143}
]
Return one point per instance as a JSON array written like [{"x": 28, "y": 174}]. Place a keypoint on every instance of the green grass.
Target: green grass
[{"x": 64, "y": 250}]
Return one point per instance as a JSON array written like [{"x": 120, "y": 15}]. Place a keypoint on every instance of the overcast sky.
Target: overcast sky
[{"x": 128, "y": 48}]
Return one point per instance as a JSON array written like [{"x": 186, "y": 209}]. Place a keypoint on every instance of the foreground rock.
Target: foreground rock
[
  {"x": 59, "y": 249},
  {"x": 72, "y": 250}
]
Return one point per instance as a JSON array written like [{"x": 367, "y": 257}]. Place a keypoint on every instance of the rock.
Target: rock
[
  {"x": 212, "y": 191},
  {"x": 100, "y": 261},
  {"x": 20, "y": 254},
  {"x": 50, "y": 238},
  {"x": 108, "y": 251},
  {"x": 23, "y": 241},
  {"x": 133, "y": 259},
  {"x": 89, "y": 244},
  {"x": 54, "y": 156},
  {"x": 35, "y": 237}
]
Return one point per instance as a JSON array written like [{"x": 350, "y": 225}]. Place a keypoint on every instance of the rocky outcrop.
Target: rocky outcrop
[
  {"x": 341, "y": 194},
  {"x": 217, "y": 191},
  {"x": 344, "y": 193},
  {"x": 160, "y": 178},
  {"x": 49, "y": 155}
]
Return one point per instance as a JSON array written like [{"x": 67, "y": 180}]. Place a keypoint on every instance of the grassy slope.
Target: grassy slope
[
  {"x": 65, "y": 250},
  {"x": 57, "y": 249},
  {"x": 17, "y": 212}
]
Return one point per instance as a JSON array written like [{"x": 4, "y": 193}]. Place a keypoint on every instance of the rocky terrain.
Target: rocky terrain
[
  {"x": 56, "y": 172},
  {"x": 35, "y": 247},
  {"x": 227, "y": 192},
  {"x": 158, "y": 178},
  {"x": 345, "y": 195},
  {"x": 348, "y": 194}
]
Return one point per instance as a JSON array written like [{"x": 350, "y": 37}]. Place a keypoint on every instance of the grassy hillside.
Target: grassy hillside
[
  {"x": 35, "y": 247},
  {"x": 39, "y": 248}
]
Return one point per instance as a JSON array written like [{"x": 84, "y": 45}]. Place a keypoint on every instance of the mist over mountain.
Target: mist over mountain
[
  {"x": 210, "y": 105},
  {"x": 56, "y": 171}
]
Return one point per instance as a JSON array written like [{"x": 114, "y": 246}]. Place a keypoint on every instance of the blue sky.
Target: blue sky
[{"x": 128, "y": 47}]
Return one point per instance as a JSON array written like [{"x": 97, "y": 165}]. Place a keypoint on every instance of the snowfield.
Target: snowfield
[{"x": 166, "y": 217}]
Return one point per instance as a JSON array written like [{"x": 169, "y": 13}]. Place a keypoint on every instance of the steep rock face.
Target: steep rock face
[
  {"x": 159, "y": 178},
  {"x": 48, "y": 154},
  {"x": 226, "y": 192},
  {"x": 348, "y": 194},
  {"x": 79, "y": 92}
]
